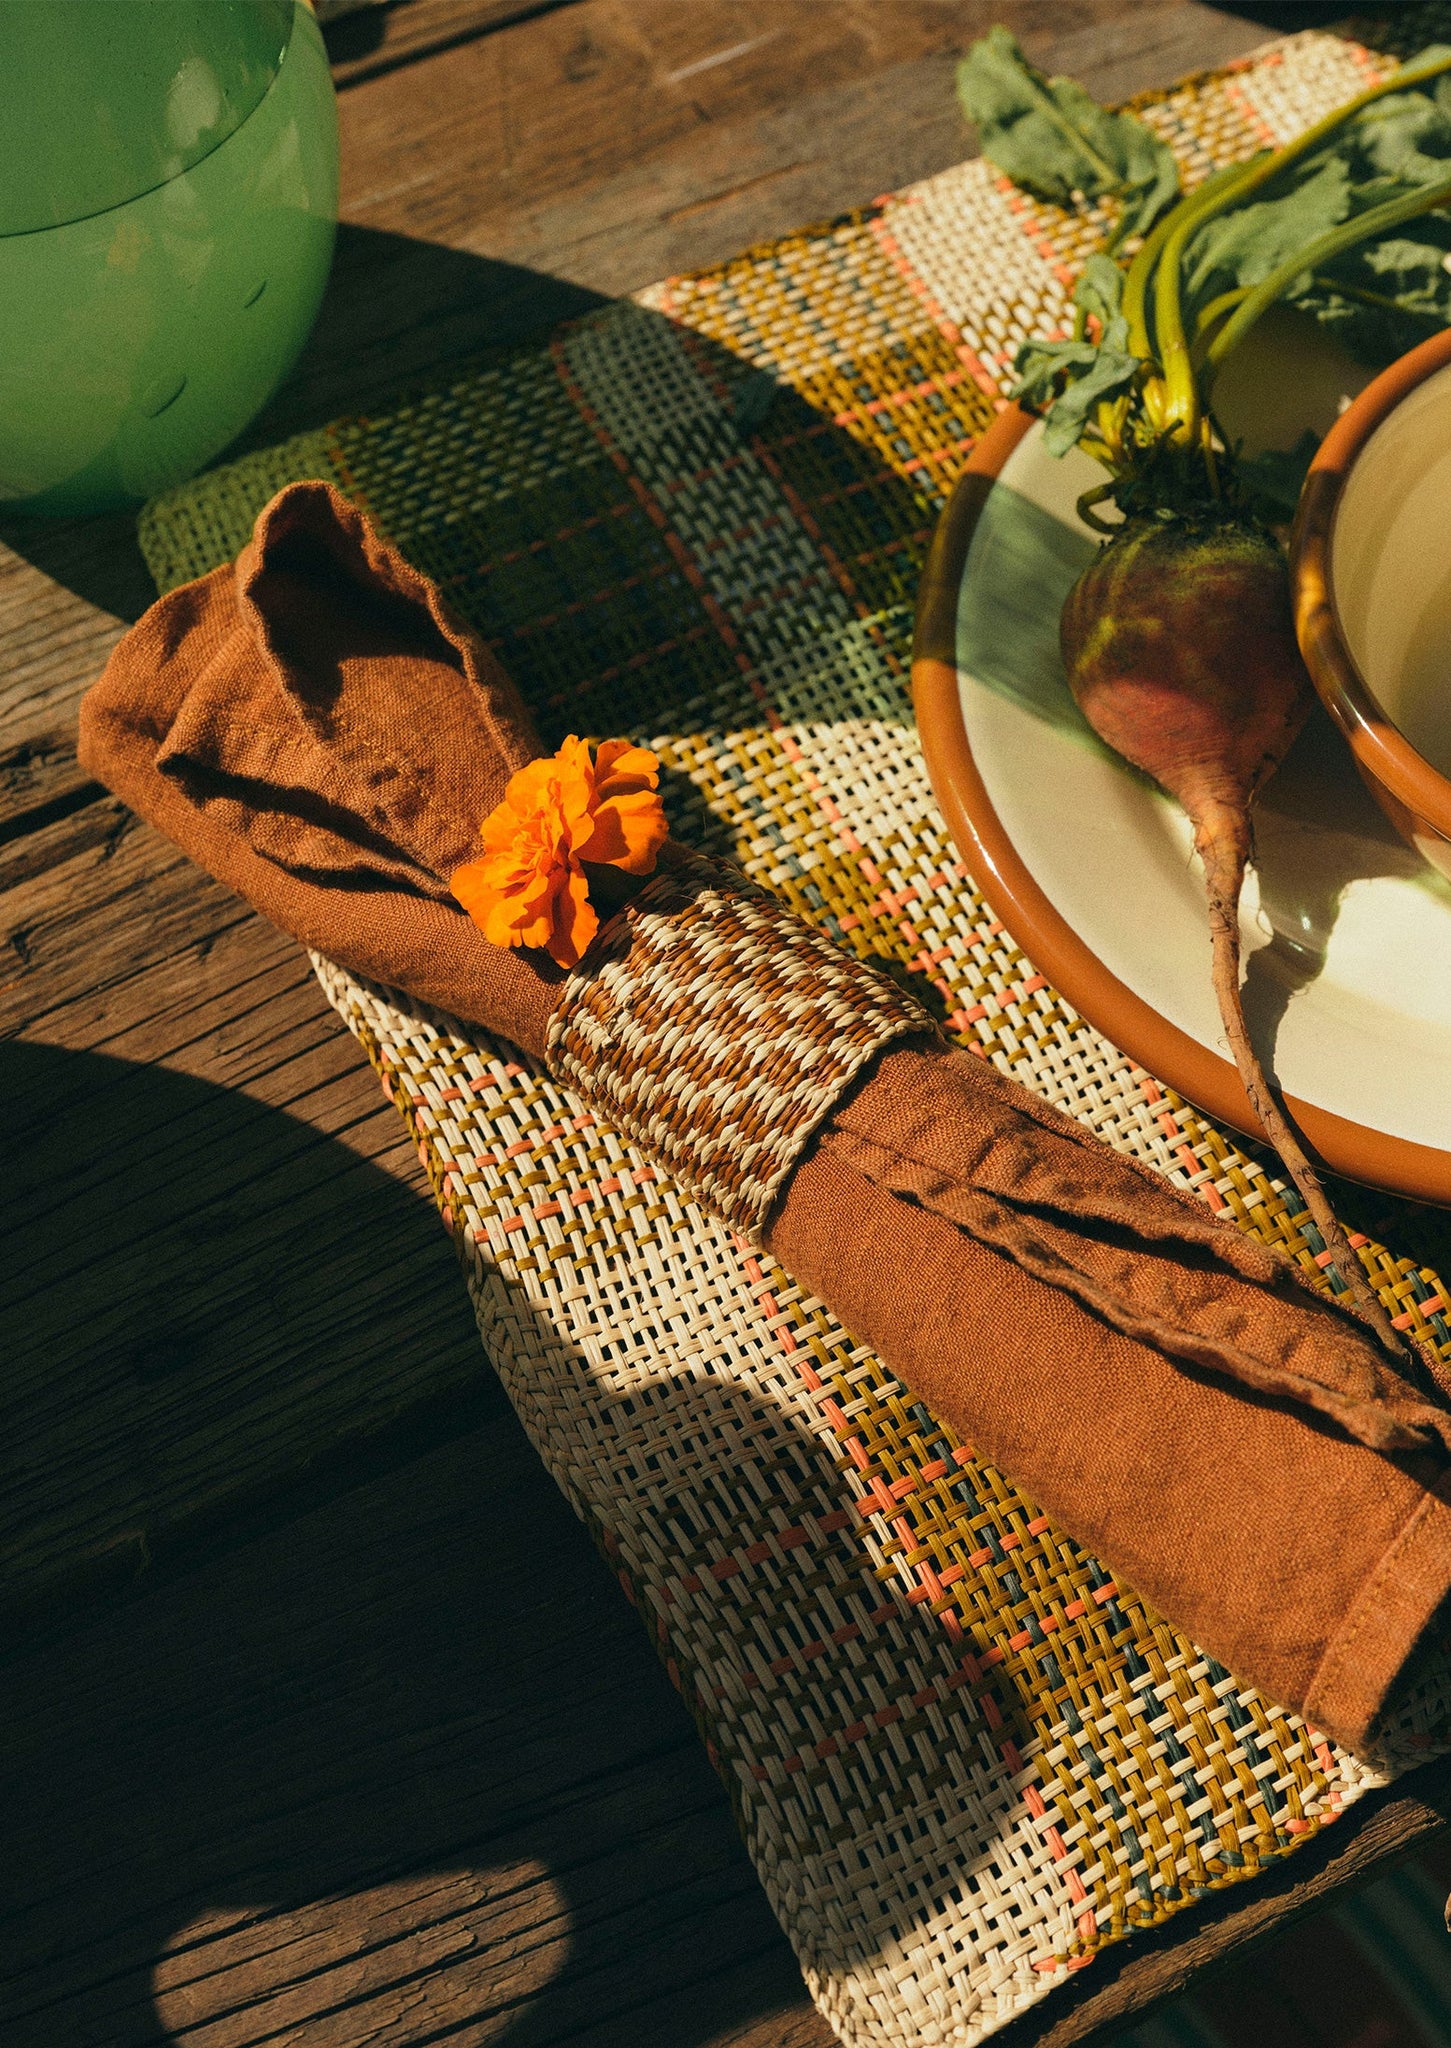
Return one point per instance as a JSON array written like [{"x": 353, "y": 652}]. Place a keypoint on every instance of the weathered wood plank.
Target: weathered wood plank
[
  {"x": 41, "y": 782},
  {"x": 402, "y": 1767},
  {"x": 609, "y": 144},
  {"x": 368, "y": 41},
  {"x": 200, "y": 1175},
  {"x": 67, "y": 593}
]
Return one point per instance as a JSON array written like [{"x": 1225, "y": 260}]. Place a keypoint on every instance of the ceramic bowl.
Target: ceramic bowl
[{"x": 1371, "y": 563}]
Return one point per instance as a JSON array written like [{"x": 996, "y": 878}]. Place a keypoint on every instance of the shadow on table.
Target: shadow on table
[
  {"x": 396, "y": 309},
  {"x": 388, "y": 1758},
  {"x": 1286, "y": 16},
  {"x": 397, "y": 1729}
]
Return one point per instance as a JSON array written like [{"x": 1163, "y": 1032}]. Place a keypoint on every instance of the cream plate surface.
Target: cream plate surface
[{"x": 1347, "y": 932}]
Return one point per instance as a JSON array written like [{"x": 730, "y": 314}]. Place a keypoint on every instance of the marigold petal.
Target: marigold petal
[
  {"x": 629, "y": 832},
  {"x": 575, "y": 780},
  {"x": 473, "y": 887},
  {"x": 507, "y": 916},
  {"x": 525, "y": 789},
  {"x": 574, "y": 921},
  {"x": 621, "y": 768},
  {"x": 501, "y": 833},
  {"x": 500, "y": 866},
  {"x": 519, "y": 924}
]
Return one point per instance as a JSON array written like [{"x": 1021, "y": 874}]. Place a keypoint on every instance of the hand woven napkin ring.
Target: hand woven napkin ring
[{"x": 717, "y": 1030}]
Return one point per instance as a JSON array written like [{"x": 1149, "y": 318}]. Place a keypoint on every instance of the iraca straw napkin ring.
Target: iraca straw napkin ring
[{"x": 717, "y": 1030}]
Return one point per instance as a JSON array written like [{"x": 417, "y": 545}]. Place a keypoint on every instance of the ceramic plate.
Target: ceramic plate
[{"x": 1347, "y": 932}]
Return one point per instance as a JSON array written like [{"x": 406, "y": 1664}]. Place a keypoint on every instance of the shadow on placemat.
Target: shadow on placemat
[{"x": 396, "y": 309}]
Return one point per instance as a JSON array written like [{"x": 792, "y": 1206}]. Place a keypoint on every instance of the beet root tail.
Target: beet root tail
[
  {"x": 1221, "y": 839},
  {"x": 1179, "y": 647}
]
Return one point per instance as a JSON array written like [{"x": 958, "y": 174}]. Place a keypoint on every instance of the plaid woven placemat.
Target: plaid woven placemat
[{"x": 962, "y": 1756}]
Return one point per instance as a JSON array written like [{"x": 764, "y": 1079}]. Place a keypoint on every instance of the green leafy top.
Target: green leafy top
[
  {"x": 1053, "y": 139},
  {"x": 1090, "y": 370},
  {"x": 1325, "y": 222}
]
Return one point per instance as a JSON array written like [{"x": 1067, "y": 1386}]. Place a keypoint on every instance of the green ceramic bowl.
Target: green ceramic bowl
[{"x": 166, "y": 227}]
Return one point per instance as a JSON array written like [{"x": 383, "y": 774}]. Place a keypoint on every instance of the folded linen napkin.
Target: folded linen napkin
[{"x": 314, "y": 727}]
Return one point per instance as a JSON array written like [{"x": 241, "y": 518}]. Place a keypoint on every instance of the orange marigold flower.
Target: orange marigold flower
[{"x": 530, "y": 888}]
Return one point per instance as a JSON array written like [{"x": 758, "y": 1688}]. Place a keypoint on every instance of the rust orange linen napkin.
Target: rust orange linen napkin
[{"x": 314, "y": 727}]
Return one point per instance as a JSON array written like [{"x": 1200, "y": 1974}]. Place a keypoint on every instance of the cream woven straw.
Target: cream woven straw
[{"x": 962, "y": 1757}]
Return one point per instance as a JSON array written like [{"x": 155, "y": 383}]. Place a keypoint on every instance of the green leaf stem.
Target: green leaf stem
[
  {"x": 1314, "y": 222},
  {"x": 1305, "y": 261}
]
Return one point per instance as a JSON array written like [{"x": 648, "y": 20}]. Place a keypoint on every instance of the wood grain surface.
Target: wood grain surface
[
  {"x": 374, "y": 38},
  {"x": 326, "y": 1723},
  {"x": 399, "y": 1766}
]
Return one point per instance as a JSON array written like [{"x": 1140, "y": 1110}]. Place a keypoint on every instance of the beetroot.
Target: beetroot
[{"x": 1181, "y": 654}]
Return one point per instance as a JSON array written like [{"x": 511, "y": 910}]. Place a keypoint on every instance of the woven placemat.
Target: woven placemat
[{"x": 963, "y": 1758}]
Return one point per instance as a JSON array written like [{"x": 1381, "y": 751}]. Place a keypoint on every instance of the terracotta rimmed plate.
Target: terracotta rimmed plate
[{"x": 1347, "y": 931}]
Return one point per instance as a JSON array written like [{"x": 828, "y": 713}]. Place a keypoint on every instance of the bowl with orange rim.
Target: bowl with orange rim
[{"x": 1371, "y": 571}]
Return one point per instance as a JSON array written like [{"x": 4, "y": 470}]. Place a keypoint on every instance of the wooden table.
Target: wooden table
[{"x": 326, "y": 1725}]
